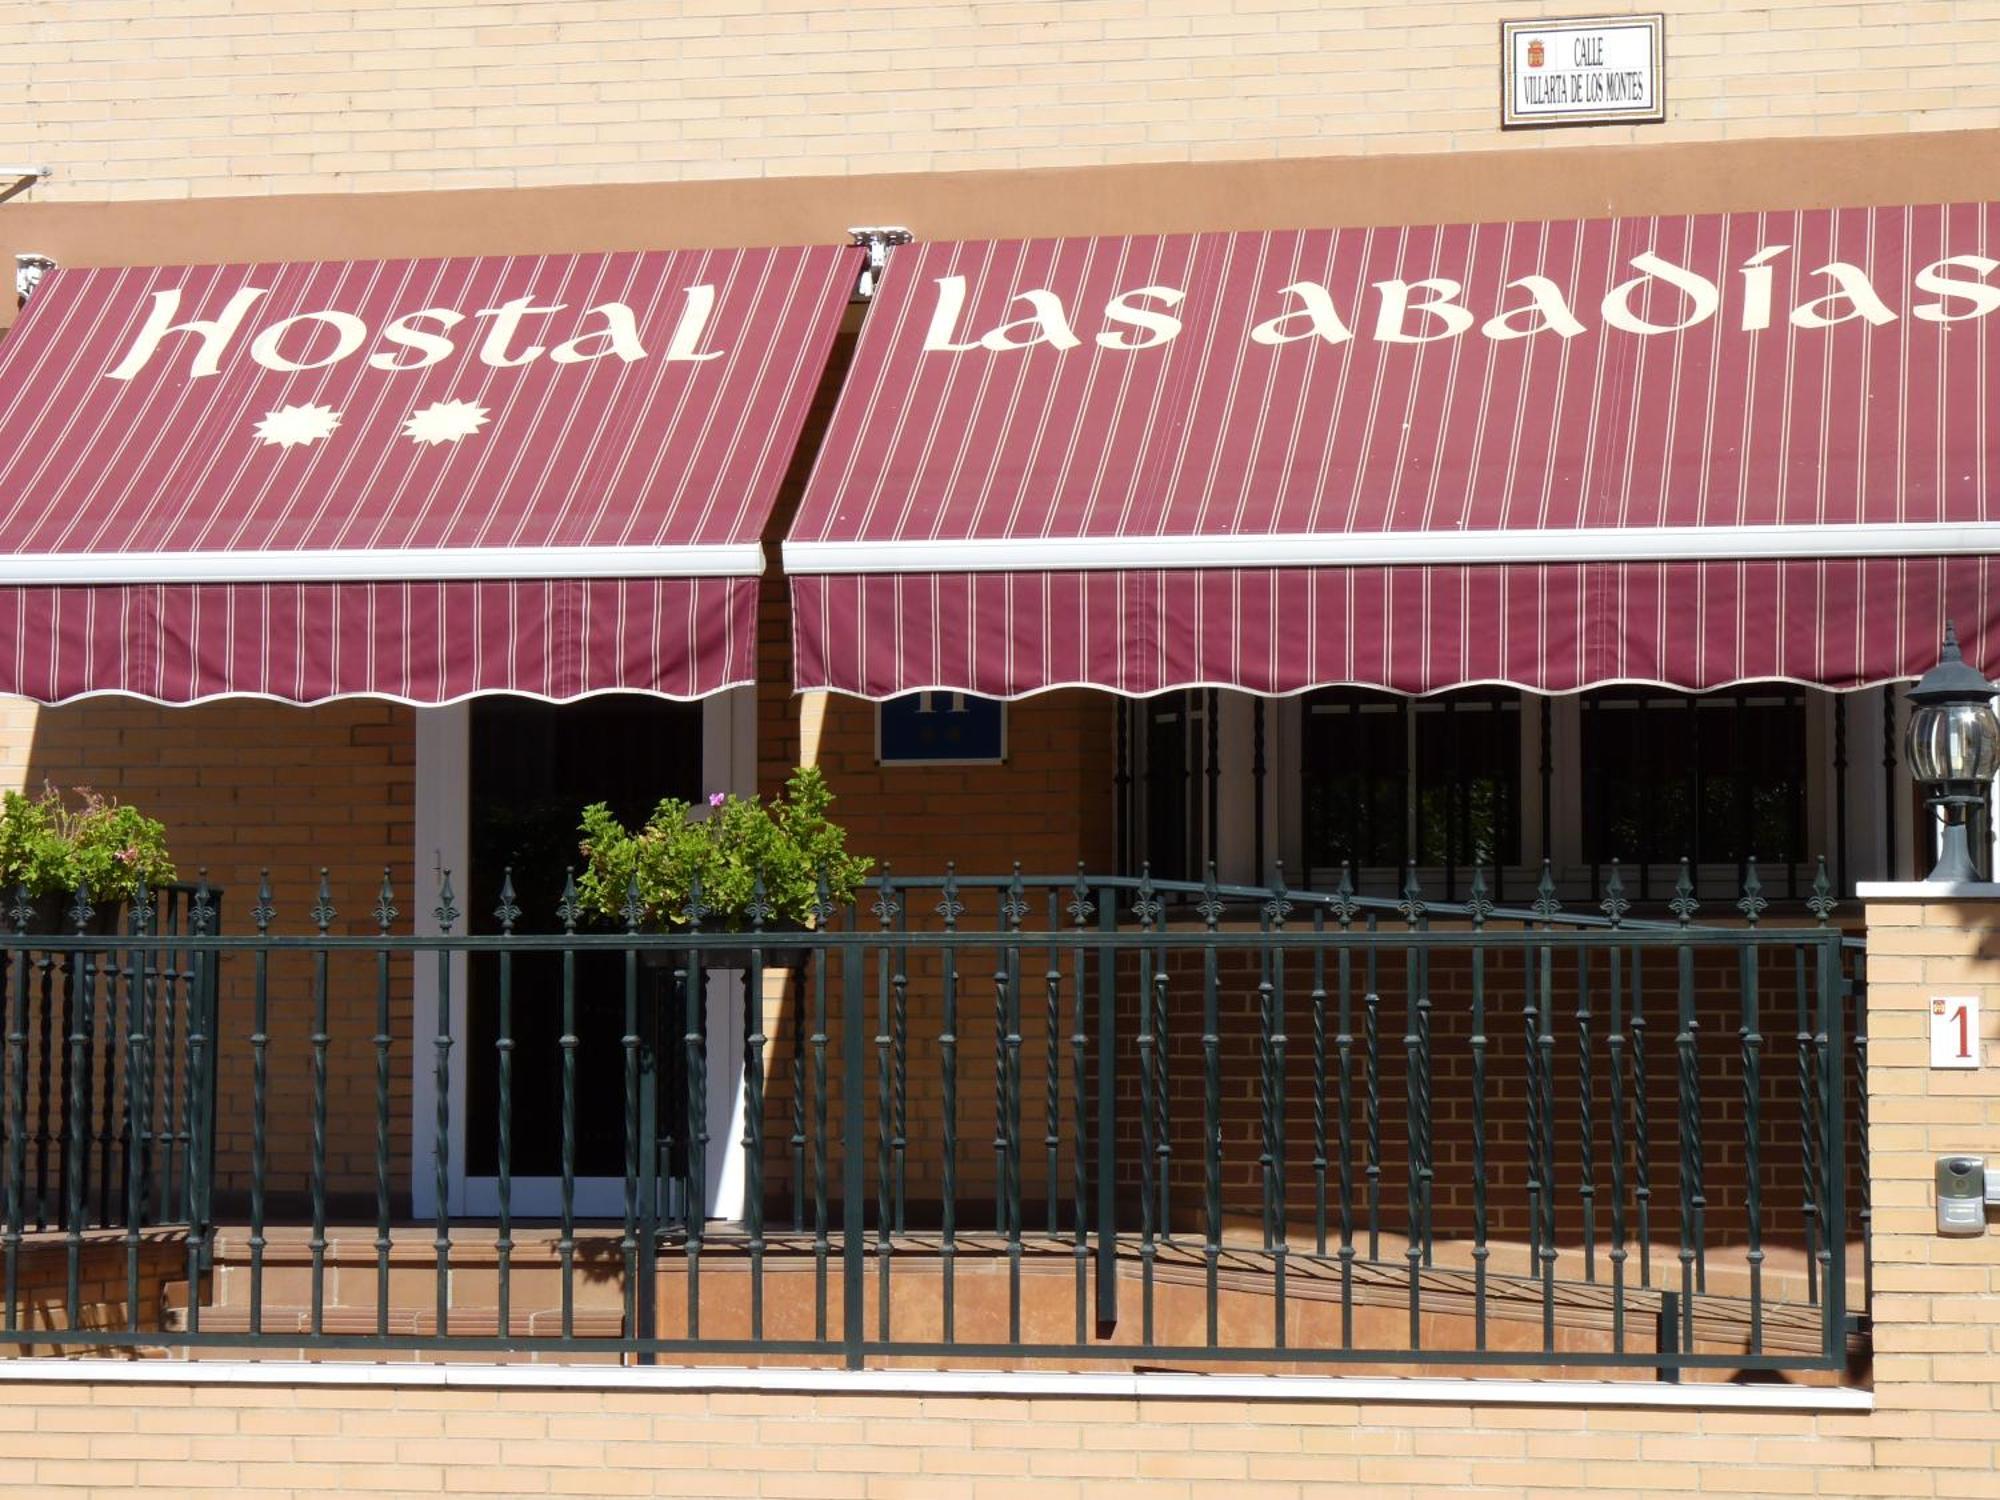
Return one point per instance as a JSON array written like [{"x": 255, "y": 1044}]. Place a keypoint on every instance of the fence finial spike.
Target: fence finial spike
[
  {"x": 1277, "y": 906},
  {"x": 1753, "y": 903},
  {"x": 1684, "y": 906},
  {"x": 1478, "y": 903},
  {"x": 1344, "y": 904},
  {"x": 949, "y": 906},
  {"x": 1210, "y": 906},
  {"x": 202, "y": 905},
  {"x": 323, "y": 911},
  {"x": 1822, "y": 901},
  {"x": 23, "y": 910},
  {"x": 1546, "y": 904},
  {"x": 1081, "y": 908},
  {"x": 1014, "y": 902},
  {"x": 80, "y": 910},
  {"x": 509, "y": 909},
  {"x": 263, "y": 911},
  {"x": 1145, "y": 905},
  {"x": 446, "y": 910},
  {"x": 885, "y": 907},
  {"x": 1614, "y": 905},
  {"x": 567, "y": 910},
  {"x": 385, "y": 902}
]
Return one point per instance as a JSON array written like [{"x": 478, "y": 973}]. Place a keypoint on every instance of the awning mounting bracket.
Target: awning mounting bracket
[{"x": 878, "y": 241}]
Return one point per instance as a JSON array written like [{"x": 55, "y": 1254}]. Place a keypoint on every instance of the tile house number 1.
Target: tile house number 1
[{"x": 1954, "y": 1031}]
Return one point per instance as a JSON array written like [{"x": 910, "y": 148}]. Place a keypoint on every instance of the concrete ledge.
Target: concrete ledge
[
  {"x": 1927, "y": 890},
  {"x": 997, "y": 1384}
]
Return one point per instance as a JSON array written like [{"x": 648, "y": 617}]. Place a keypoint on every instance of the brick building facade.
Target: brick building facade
[{"x": 194, "y": 133}]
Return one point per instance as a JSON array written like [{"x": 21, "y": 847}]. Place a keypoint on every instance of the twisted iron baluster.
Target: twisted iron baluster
[
  {"x": 1371, "y": 1044},
  {"x": 1546, "y": 908},
  {"x": 696, "y": 1040},
  {"x": 754, "y": 1042},
  {"x": 1614, "y": 906},
  {"x": 1683, "y": 907},
  {"x": 1478, "y": 907},
  {"x": 1321, "y": 1164},
  {"x": 886, "y": 908},
  {"x": 1812, "y": 1096},
  {"x": 634, "y": 911},
  {"x": 1586, "y": 1099},
  {"x": 385, "y": 914},
  {"x": 1278, "y": 1231},
  {"x": 823, "y": 910},
  {"x": 1642, "y": 1121},
  {"x": 446, "y": 913},
  {"x": 260, "y": 1075},
  {"x": 78, "y": 997},
  {"x": 1052, "y": 1070},
  {"x": 323, "y": 914},
  {"x": 1080, "y": 910},
  {"x": 567, "y": 911},
  {"x": 1014, "y": 907},
  {"x": 507, "y": 913},
  {"x": 1750, "y": 1036},
  {"x": 1417, "y": 1108},
  {"x": 1344, "y": 908},
  {"x": 1211, "y": 909},
  {"x": 1146, "y": 908},
  {"x": 1163, "y": 1135},
  {"x": 21, "y": 913},
  {"x": 951, "y": 909}
]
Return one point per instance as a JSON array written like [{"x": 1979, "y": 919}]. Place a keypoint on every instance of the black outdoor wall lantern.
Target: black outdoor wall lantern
[{"x": 1954, "y": 748}]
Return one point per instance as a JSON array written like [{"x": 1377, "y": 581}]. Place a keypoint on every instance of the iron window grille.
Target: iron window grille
[
  {"x": 1718, "y": 779},
  {"x": 1387, "y": 780}
]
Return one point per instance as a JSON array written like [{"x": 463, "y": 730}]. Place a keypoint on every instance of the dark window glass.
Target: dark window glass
[
  {"x": 533, "y": 767},
  {"x": 1715, "y": 778},
  {"x": 1365, "y": 791},
  {"x": 1166, "y": 725}
]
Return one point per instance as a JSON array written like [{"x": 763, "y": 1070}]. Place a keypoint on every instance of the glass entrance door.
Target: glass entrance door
[{"x": 532, "y": 767}]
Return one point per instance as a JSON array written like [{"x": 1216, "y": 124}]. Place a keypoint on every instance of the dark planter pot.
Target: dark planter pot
[
  {"x": 777, "y": 953},
  {"x": 49, "y": 916}
]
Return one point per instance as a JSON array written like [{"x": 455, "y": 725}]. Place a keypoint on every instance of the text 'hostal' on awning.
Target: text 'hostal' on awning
[{"x": 415, "y": 479}]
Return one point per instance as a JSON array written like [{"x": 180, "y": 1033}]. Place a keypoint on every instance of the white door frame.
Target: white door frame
[{"x": 728, "y": 763}]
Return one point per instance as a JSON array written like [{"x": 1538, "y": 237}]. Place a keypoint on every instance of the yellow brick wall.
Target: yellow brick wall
[
  {"x": 180, "y": 98},
  {"x": 245, "y": 786},
  {"x": 1935, "y": 1430}
]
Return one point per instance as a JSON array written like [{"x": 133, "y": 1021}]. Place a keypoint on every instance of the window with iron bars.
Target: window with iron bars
[
  {"x": 1389, "y": 779},
  {"x": 1714, "y": 778}
]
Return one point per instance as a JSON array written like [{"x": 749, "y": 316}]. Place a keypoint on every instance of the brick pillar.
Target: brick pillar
[{"x": 1937, "y": 1300}]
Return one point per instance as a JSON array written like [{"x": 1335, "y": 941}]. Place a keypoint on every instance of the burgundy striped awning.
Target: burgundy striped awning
[
  {"x": 413, "y": 479},
  {"x": 1688, "y": 451}
]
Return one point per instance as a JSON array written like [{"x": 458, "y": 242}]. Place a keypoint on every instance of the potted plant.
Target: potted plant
[
  {"x": 50, "y": 849},
  {"x": 788, "y": 842}
]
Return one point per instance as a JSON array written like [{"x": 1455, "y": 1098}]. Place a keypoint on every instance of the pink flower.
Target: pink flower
[
  {"x": 129, "y": 854},
  {"x": 716, "y": 799}
]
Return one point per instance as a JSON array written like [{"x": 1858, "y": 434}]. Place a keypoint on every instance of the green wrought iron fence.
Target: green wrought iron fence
[
  {"x": 1007, "y": 1118},
  {"x": 107, "y": 1121}
]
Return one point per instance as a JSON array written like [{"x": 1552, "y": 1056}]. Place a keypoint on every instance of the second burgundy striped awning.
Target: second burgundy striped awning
[
  {"x": 413, "y": 479},
  {"x": 1688, "y": 451}
]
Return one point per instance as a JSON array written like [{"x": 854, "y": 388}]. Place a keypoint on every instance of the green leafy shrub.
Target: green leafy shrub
[
  {"x": 788, "y": 840},
  {"x": 52, "y": 848}
]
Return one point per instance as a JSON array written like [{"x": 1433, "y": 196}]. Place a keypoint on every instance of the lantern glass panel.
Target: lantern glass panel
[{"x": 1954, "y": 742}]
